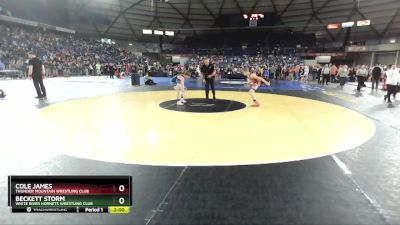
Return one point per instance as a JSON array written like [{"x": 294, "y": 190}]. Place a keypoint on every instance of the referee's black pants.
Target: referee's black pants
[
  {"x": 39, "y": 86},
  {"x": 210, "y": 83}
]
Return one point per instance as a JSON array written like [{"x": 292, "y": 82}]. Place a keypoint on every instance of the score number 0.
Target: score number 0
[{"x": 121, "y": 200}]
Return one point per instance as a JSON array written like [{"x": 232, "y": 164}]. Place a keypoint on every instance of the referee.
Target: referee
[
  {"x": 36, "y": 72},
  {"x": 209, "y": 73}
]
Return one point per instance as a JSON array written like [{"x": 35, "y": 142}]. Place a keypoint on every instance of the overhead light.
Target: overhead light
[
  {"x": 392, "y": 41},
  {"x": 130, "y": 44},
  {"x": 158, "y": 32},
  {"x": 169, "y": 33},
  {"x": 333, "y": 26},
  {"x": 348, "y": 24},
  {"x": 361, "y": 23},
  {"x": 147, "y": 31}
]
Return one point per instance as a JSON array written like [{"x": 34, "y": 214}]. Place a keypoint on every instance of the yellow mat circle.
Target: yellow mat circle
[{"x": 132, "y": 128}]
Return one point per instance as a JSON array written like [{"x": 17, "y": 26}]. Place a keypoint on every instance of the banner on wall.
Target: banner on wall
[
  {"x": 356, "y": 48},
  {"x": 310, "y": 62},
  {"x": 373, "y": 48},
  {"x": 176, "y": 59},
  {"x": 334, "y": 54},
  {"x": 323, "y": 59}
]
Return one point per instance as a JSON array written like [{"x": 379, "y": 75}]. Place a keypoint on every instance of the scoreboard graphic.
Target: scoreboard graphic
[{"x": 69, "y": 194}]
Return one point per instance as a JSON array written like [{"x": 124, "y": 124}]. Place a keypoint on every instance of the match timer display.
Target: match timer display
[{"x": 76, "y": 194}]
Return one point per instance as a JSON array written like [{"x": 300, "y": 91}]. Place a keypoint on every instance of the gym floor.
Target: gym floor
[{"x": 308, "y": 155}]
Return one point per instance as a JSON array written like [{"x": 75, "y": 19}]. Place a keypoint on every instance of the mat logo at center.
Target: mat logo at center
[{"x": 202, "y": 104}]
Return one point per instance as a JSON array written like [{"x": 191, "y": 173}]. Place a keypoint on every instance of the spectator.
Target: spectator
[
  {"x": 376, "y": 76},
  {"x": 392, "y": 81},
  {"x": 306, "y": 71},
  {"x": 325, "y": 74},
  {"x": 319, "y": 74},
  {"x": 362, "y": 74},
  {"x": 352, "y": 75},
  {"x": 343, "y": 73},
  {"x": 333, "y": 73},
  {"x": 278, "y": 72}
]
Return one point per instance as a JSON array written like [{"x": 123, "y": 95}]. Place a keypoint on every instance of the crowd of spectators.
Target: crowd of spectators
[
  {"x": 360, "y": 73},
  {"x": 289, "y": 67},
  {"x": 264, "y": 64},
  {"x": 62, "y": 54},
  {"x": 65, "y": 54}
]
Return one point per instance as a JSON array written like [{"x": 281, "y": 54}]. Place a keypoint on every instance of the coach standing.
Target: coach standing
[
  {"x": 36, "y": 72},
  {"x": 209, "y": 73}
]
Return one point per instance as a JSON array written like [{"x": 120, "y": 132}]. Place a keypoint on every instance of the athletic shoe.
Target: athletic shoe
[
  {"x": 3, "y": 96},
  {"x": 179, "y": 103},
  {"x": 183, "y": 100},
  {"x": 255, "y": 104}
]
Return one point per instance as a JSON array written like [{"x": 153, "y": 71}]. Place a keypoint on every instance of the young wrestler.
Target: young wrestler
[
  {"x": 180, "y": 87},
  {"x": 254, "y": 83}
]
